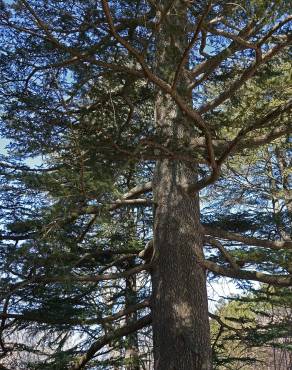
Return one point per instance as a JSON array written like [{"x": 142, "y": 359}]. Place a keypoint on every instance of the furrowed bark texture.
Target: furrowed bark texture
[{"x": 180, "y": 306}]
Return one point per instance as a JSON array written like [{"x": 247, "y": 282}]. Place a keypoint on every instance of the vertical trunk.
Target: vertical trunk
[
  {"x": 277, "y": 172},
  {"x": 132, "y": 348},
  {"x": 283, "y": 166},
  {"x": 180, "y": 306}
]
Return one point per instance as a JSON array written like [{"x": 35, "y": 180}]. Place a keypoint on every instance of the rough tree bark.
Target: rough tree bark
[{"x": 180, "y": 306}]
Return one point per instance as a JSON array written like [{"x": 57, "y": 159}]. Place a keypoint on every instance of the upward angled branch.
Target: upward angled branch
[
  {"x": 253, "y": 126},
  {"x": 190, "y": 45},
  {"x": 80, "y": 362},
  {"x": 246, "y": 75},
  {"x": 165, "y": 87}
]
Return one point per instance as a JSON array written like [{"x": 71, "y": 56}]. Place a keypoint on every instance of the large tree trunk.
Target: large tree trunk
[{"x": 180, "y": 306}]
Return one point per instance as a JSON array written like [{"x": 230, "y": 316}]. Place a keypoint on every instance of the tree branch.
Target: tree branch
[
  {"x": 228, "y": 257},
  {"x": 80, "y": 362},
  {"x": 190, "y": 45},
  {"x": 261, "y": 140},
  {"x": 222, "y": 234},
  {"x": 165, "y": 87},
  {"x": 89, "y": 278},
  {"x": 209, "y": 65},
  {"x": 277, "y": 280},
  {"x": 32, "y": 317},
  {"x": 246, "y": 75},
  {"x": 233, "y": 145}
]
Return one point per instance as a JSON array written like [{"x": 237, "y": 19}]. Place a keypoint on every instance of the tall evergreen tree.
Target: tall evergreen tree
[{"x": 139, "y": 110}]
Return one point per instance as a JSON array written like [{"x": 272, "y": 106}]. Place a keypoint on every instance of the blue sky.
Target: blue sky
[
  {"x": 3, "y": 144},
  {"x": 31, "y": 162}
]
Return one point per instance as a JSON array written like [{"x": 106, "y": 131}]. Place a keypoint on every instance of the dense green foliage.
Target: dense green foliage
[{"x": 253, "y": 332}]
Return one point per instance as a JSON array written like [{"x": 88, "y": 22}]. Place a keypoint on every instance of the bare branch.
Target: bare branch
[
  {"x": 219, "y": 233},
  {"x": 277, "y": 280},
  {"x": 138, "y": 190},
  {"x": 228, "y": 257}
]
